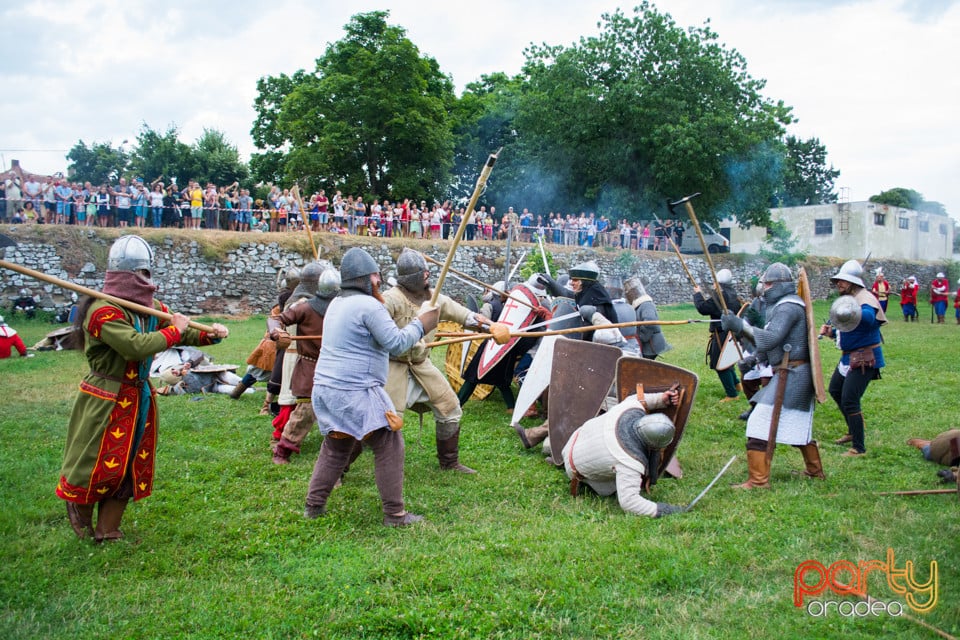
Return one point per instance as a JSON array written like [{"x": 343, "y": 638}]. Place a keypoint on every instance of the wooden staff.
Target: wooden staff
[
  {"x": 481, "y": 183},
  {"x": 295, "y": 192},
  {"x": 561, "y": 332},
  {"x": 676, "y": 250},
  {"x": 918, "y": 492},
  {"x": 93, "y": 293},
  {"x": 703, "y": 243}
]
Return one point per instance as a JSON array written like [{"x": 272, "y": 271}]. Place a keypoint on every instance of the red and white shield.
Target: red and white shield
[{"x": 517, "y": 316}]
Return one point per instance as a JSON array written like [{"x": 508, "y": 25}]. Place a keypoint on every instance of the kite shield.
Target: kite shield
[
  {"x": 517, "y": 317},
  {"x": 813, "y": 343},
  {"x": 579, "y": 381},
  {"x": 657, "y": 377}
]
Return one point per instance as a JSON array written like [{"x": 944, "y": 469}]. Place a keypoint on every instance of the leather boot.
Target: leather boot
[
  {"x": 238, "y": 391},
  {"x": 448, "y": 453},
  {"x": 283, "y": 450},
  {"x": 109, "y": 515},
  {"x": 533, "y": 436},
  {"x": 81, "y": 519},
  {"x": 265, "y": 409},
  {"x": 811, "y": 459},
  {"x": 758, "y": 469}
]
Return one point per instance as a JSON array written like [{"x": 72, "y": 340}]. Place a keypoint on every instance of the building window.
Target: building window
[
  {"x": 879, "y": 219},
  {"x": 924, "y": 226},
  {"x": 943, "y": 229},
  {"x": 823, "y": 227},
  {"x": 903, "y": 223}
]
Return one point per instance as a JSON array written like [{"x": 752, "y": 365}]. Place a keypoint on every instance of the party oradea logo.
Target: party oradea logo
[{"x": 822, "y": 589}]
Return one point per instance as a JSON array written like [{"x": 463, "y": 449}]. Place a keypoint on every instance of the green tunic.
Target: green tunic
[{"x": 113, "y": 427}]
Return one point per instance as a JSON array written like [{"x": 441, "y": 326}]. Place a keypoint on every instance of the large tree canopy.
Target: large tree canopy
[
  {"x": 643, "y": 112},
  {"x": 806, "y": 178},
  {"x": 371, "y": 119}
]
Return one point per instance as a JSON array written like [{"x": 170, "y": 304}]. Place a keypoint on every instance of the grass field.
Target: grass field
[{"x": 221, "y": 549}]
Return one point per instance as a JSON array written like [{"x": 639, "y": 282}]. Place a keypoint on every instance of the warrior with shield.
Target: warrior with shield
[
  {"x": 709, "y": 306},
  {"x": 856, "y": 318},
  {"x": 412, "y": 377},
  {"x": 783, "y": 413}
]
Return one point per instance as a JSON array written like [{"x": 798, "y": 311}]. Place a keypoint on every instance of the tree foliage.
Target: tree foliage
[
  {"x": 98, "y": 164},
  {"x": 806, "y": 178},
  {"x": 643, "y": 112},
  {"x": 908, "y": 199},
  {"x": 371, "y": 118},
  {"x": 163, "y": 156}
]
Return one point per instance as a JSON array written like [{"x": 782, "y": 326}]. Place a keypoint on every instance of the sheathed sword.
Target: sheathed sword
[
  {"x": 709, "y": 486},
  {"x": 778, "y": 402}
]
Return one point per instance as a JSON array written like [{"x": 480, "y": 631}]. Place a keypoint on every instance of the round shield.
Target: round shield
[
  {"x": 625, "y": 313},
  {"x": 845, "y": 313},
  {"x": 560, "y": 308}
]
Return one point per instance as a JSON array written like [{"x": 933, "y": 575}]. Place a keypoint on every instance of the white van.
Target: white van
[{"x": 716, "y": 243}]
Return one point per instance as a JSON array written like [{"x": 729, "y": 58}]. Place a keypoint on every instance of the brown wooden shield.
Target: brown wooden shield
[
  {"x": 657, "y": 377},
  {"x": 816, "y": 365},
  {"x": 579, "y": 381},
  {"x": 517, "y": 317}
]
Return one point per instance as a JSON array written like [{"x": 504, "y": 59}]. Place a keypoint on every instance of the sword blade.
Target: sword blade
[
  {"x": 712, "y": 482},
  {"x": 572, "y": 314}
]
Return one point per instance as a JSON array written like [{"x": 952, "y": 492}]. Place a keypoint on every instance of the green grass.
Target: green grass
[{"x": 221, "y": 549}]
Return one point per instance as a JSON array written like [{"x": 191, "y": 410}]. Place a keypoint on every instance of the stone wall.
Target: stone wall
[{"x": 240, "y": 281}]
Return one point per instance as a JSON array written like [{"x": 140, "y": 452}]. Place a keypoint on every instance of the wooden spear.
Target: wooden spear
[
  {"x": 93, "y": 293},
  {"x": 481, "y": 183},
  {"x": 676, "y": 250},
  {"x": 295, "y": 191},
  {"x": 479, "y": 283}
]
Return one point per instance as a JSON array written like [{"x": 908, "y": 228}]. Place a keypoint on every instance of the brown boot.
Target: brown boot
[
  {"x": 81, "y": 519},
  {"x": 758, "y": 468},
  {"x": 811, "y": 459},
  {"x": 533, "y": 436},
  {"x": 109, "y": 516},
  {"x": 238, "y": 391},
  {"x": 283, "y": 450},
  {"x": 265, "y": 409},
  {"x": 448, "y": 453}
]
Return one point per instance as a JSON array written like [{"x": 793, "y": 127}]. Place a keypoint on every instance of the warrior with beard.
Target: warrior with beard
[
  {"x": 413, "y": 378},
  {"x": 112, "y": 435},
  {"x": 349, "y": 399}
]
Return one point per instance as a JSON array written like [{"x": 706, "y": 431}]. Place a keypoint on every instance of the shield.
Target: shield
[
  {"x": 581, "y": 377},
  {"x": 471, "y": 303},
  {"x": 729, "y": 353},
  {"x": 813, "y": 343},
  {"x": 564, "y": 307},
  {"x": 458, "y": 354},
  {"x": 537, "y": 379},
  {"x": 214, "y": 368},
  {"x": 517, "y": 317},
  {"x": 656, "y": 377},
  {"x": 625, "y": 313}
]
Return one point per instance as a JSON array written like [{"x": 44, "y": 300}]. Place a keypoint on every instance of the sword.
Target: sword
[
  {"x": 543, "y": 254},
  {"x": 709, "y": 486}
]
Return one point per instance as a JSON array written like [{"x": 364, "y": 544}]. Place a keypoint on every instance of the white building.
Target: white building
[{"x": 854, "y": 230}]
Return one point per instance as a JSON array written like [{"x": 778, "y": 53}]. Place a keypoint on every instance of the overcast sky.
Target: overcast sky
[{"x": 875, "y": 80}]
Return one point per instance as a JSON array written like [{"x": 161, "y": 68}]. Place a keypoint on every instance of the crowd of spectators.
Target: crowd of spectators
[{"x": 32, "y": 199}]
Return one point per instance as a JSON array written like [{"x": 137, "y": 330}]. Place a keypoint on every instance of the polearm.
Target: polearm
[
  {"x": 93, "y": 293},
  {"x": 778, "y": 402},
  {"x": 561, "y": 332},
  {"x": 462, "y": 276},
  {"x": 676, "y": 250},
  {"x": 703, "y": 242},
  {"x": 306, "y": 219},
  {"x": 481, "y": 183}
]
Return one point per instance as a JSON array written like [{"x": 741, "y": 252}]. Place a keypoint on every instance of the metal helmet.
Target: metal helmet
[
  {"x": 24, "y": 292},
  {"x": 130, "y": 253},
  {"x": 845, "y": 313},
  {"x": 724, "y": 276},
  {"x": 328, "y": 286},
  {"x": 498, "y": 286},
  {"x": 563, "y": 279},
  {"x": 410, "y": 267},
  {"x": 780, "y": 279},
  {"x": 640, "y": 432},
  {"x": 851, "y": 271},
  {"x": 288, "y": 278},
  {"x": 588, "y": 270},
  {"x": 533, "y": 283},
  {"x": 309, "y": 276},
  {"x": 633, "y": 289},
  {"x": 614, "y": 285},
  {"x": 357, "y": 263}
]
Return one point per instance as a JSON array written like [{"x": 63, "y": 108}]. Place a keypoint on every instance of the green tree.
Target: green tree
[
  {"x": 806, "y": 178},
  {"x": 909, "y": 199},
  {"x": 371, "y": 119},
  {"x": 643, "y": 112},
  {"x": 163, "y": 156},
  {"x": 217, "y": 160},
  {"x": 99, "y": 163}
]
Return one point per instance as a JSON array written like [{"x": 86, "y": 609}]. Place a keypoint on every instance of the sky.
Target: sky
[{"x": 874, "y": 80}]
